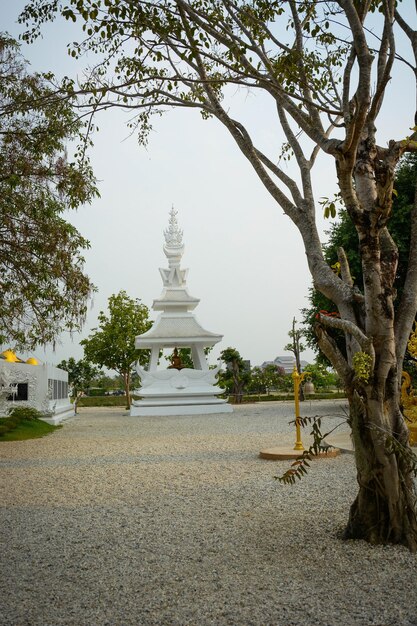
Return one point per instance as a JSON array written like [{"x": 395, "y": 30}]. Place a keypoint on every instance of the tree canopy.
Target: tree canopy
[
  {"x": 44, "y": 289},
  {"x": 236, "y": 375},
  {"x": 80, "y": 375},
  {"x": 263, "y": 379},
  {"x": 326, "y": 69},
  {"x": 342, "y": 234},
  {"x": 112, "y": 344}
]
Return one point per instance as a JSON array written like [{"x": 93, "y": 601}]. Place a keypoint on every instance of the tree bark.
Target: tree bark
[
  {"x": 237, "y": 383},
  {"x": 126, "y": 380},
  {"x": 384, "y": 508}
]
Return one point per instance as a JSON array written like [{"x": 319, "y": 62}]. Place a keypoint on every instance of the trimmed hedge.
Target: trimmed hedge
[
  {"x": 103, "y": 400},
  {"x": 289, "y": 397},
  {"x": 121, "y": 400}
]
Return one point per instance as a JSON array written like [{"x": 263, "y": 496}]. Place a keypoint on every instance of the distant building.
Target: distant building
[
  {"x": 246, "y": 366},
  {"x": 286, "y": 362}
]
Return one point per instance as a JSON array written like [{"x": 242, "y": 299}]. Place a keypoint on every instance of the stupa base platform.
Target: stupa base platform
[
  {"x": 149, "y": 410},
  {"x": 281, "y": 453}
]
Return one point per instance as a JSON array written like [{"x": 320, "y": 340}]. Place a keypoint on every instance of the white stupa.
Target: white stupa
[{"x": 173, "y": 391}]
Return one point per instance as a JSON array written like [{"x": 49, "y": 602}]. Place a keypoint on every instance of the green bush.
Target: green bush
[
  {"x": 29, "y": 429},
  {"x": 17, "y": 416},
  {"x": 25, "y": 413},
  {"x": 95, "y": 392},
  {"x": 285, "y": 397},
  {"x": 12, "y": 422},
  {"x": 121, "y": 400}
]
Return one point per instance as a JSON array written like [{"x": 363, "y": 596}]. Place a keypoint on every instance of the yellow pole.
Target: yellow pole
[{"x": 297, "y": 378}]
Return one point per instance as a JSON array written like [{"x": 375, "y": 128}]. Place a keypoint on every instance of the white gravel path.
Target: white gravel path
[{"x": 115, "y": 520}]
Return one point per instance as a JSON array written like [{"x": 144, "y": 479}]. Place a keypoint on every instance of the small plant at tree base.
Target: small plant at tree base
[{"x": 300, "y": 466}]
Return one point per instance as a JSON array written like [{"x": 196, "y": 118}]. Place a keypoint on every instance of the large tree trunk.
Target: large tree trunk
[
  {"x": 384, "y": 509},
  {"x": 237, "y": 383}
]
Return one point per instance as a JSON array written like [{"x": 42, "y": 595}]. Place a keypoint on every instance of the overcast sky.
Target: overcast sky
[{"x": 246, "y": 259}]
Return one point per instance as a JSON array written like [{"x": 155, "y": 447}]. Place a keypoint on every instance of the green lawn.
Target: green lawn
[{"x": 29, "y": 429}]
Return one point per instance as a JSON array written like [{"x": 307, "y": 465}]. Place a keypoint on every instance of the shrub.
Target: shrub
[
  {"x": 290, "y": 397},
  {"x": 95, "y": 392},
  {"x": 25, "y": 413},
  {"x": 16, "y": 416},
  {"x": 103, "y": 401}
]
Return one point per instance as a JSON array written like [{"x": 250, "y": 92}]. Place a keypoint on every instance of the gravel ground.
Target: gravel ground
[{"x": 176, "y": 521}]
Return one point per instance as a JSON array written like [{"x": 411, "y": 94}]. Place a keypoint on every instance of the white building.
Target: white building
[
  {"x": 30, "y": 383},
  {"x": 287, "y": 362}
]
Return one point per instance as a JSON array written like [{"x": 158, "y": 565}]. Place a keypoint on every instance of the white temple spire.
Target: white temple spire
[
  {"x": 177, "y": 390},
  {"x": 173, "y": 235},
  {"x": 173, "y": 277}
]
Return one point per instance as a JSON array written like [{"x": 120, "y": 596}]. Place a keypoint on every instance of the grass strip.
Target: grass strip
[
  {"x": 28, "y": 429},
  {"x": 24, "y": 423}
]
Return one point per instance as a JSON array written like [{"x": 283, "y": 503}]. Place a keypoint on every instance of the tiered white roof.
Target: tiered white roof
[{"x": 175, "y": 326}]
